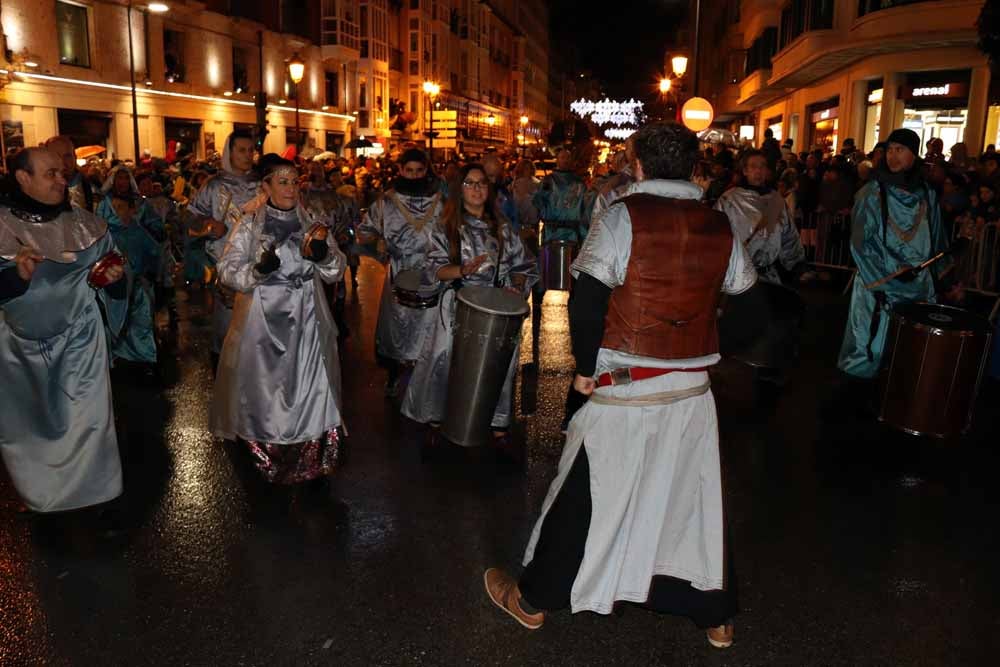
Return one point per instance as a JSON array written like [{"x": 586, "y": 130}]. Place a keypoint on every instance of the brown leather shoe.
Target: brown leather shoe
[
  {"x": 505, "y": 594},
  {"x": 721, "y": 636}
]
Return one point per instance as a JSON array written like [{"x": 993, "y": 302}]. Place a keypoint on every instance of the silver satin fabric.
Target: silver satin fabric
[
  {"x": 279, "y": 372},
  {"x": 77, "y": 229},
  {"x": 242, "y": 192},
  {"x": 401, "y": 330},
  {"x": 57, "y": 431},
  {"x": 778, "y": 239},
  {"x": 427, "y": 391}
]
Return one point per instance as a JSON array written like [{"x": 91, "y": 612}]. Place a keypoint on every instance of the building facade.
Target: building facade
[
  {"x": 822, "y": 71},
  {"x": 201, "y": 65}
]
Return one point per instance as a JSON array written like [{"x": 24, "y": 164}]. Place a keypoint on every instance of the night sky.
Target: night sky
[{"x": 621, "y": 43}]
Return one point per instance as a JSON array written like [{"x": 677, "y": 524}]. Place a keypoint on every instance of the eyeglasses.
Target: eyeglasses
[{"x": 476, "y": 185}]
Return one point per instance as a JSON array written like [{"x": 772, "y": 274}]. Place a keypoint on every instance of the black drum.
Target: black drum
[
  {"x": 932, "y": 365},
  {"x": 762, "y": 329},
  {"x": 407, "y": 290}
]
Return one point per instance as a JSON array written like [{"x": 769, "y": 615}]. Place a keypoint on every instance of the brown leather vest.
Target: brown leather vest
[{"x": 666, "y": 309}]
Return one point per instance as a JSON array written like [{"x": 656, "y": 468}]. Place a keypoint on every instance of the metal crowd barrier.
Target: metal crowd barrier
[
  {"x": 979, "y": 267},
  {"x": 826, "y": 238}
]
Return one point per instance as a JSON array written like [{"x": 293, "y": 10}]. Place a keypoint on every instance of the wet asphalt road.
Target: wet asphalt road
[{"x": 854, "y": 545}]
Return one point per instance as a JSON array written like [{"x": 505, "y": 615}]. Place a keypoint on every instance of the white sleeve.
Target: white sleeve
[
  {"x": 607, "y": 248},
  {"x": 741, "y": 274}
]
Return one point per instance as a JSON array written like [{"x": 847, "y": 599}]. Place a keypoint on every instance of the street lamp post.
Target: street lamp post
[
  {"x": 296, "y": 70},
  {"x": 491, "y": 120},
  {"x": 524, "y": 128},
  {"x": 156, "y": 8},
  {"x": 431, "y": 89}
]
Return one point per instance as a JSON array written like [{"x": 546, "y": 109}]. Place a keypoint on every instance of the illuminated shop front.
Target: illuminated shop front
[
  {"x": 937, "y": 107},
  {"x": 824, "y": 125}
]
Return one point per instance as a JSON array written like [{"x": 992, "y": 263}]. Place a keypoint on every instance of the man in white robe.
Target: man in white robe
[{"x": 635, "y": 512}]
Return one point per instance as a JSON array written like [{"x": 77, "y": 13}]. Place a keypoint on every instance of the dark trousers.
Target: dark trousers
[{"x": 547, "y": 581}]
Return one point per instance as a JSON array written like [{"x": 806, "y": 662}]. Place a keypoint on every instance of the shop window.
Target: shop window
[
  {"x": 800, "y": 16},
  {"x": 414, "y": 4},
  {"x": 363, "y": 95},
  {"x": 74, "y": 39}
]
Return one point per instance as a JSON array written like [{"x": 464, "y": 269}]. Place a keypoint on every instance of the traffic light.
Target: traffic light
[{"x": 260, "y": 102}]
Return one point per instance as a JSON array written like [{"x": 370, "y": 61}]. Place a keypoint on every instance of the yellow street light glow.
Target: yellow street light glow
[
  {"x": 166, "y": 93},
  {"x": 228, "y": 93},
  {"x": 680, "y": 65},
  {"x": 491, "y": 120},
  {"x": 282, "y": 101},
  {"x": 524, "y": 120},
  {"x": 431, "y": 88},
  {"x": 296, "y": 68},
  {"x": 664, "y": 85},
  {"x": 158, "y": 7}
]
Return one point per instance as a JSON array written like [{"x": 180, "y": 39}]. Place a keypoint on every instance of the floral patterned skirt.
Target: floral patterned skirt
[{"x": 300, "y": 462}]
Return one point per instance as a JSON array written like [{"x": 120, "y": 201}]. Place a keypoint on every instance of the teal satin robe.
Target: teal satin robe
[
  {"x": 564, "y": 197},
  {"x": 134, "y": 240},
  {"x": 913, "y": 235},
  {"x": 57, "y": 431}
]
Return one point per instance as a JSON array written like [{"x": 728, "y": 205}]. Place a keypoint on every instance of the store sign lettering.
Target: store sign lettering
[{"x": 932, "y": 91}]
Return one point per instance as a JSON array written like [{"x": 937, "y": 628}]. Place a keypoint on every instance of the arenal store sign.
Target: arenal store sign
[{"x": 943, "y": 91}]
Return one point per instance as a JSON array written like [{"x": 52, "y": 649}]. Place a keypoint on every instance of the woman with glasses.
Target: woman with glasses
[
  {"x": 278, "y": 387},
  {"x": 474, "y": 245}
]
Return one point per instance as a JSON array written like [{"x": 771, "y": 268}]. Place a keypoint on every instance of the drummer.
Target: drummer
[
  {"x": 404, "y": 218},
  {"x": 464, "y": 251},
  {"x": 896, "y": 222},
  {"x": 760, "y": 220}
]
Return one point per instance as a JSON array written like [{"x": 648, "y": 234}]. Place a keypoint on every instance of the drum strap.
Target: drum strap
[{"x": 416, "y": 223}]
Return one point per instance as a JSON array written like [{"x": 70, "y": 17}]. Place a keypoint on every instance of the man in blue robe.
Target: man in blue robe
[
  {"x": 896, "y": 223},
  {"x": 57, "y": 431}
]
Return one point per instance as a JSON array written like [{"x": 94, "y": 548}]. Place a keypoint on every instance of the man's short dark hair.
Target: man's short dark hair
[
  {"x": 239, "y": 134},
  {"x": 750, "y": 154},
  {"x": 20, "y": 160},
  {"x": 768, "y": 133},
  {"x": 666, "y": 150}
]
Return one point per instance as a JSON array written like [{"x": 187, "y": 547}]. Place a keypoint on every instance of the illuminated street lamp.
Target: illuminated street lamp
[
  {"x": 432, "y": 90},
  {"x": 296, "y": 70},
  {"x": 524, "y": 125},
  {"x": 155, "y": 8},
  {"x": 679, "y": 64}
]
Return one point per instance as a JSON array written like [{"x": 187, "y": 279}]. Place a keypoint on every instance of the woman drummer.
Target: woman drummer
[
  {"x": 474, "y": 245},
  {"x": 278, "y": 386}
]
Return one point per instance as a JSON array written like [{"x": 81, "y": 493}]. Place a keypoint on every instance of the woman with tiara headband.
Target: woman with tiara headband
[{"x": 278, "y": 386}]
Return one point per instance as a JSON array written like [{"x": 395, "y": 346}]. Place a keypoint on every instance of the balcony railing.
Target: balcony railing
[
  {"x": 801, "y": 16},
  {"x": 869, "y": 6}
]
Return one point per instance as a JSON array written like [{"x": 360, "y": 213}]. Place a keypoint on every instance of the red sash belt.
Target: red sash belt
[{"x": 621, "y": 376}]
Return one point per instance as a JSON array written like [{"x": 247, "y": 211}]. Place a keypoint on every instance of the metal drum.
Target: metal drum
[
  {"x": 556, "y": 257},
  {"x": 776, "y": 343},
  {"x": 931, "y": 369},
  {"x": 407, "y": 290},
  {"x": 487, "y": 330}
]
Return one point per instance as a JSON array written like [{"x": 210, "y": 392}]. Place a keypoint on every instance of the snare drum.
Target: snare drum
[
  {"x": 933, "y": 363},
  {"x": 407, "y": 291}
]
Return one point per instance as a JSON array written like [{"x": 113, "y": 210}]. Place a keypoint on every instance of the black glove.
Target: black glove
[
  {"x": 318, "y": 250},
  {"x": 909, "y": 276},
  {"x": 268, "y": 263}
]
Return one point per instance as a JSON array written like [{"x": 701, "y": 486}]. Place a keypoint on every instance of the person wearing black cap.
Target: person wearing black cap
[
  {"x": 405, "y": 218},
  {"x": 896, "y": 223}
]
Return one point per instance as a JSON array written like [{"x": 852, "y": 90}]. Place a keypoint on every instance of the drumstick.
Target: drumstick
[{"x": 908, "y": 269}]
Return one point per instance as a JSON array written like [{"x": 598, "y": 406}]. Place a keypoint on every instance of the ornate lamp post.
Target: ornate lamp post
[
  {"x": 156, "y": 8},
  {"x": 524, "y": 128},
  {"x": 432, "y": 90},
  {"x": 296, "y": 70}
]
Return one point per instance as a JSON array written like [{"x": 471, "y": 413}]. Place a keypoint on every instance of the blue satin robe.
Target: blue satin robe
[
  {"x": 135, "y": 241},
  {"x": 915, "y": 214},
  {"x": 57, "y": 430},
  {"x": 564, "y": 197}
]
